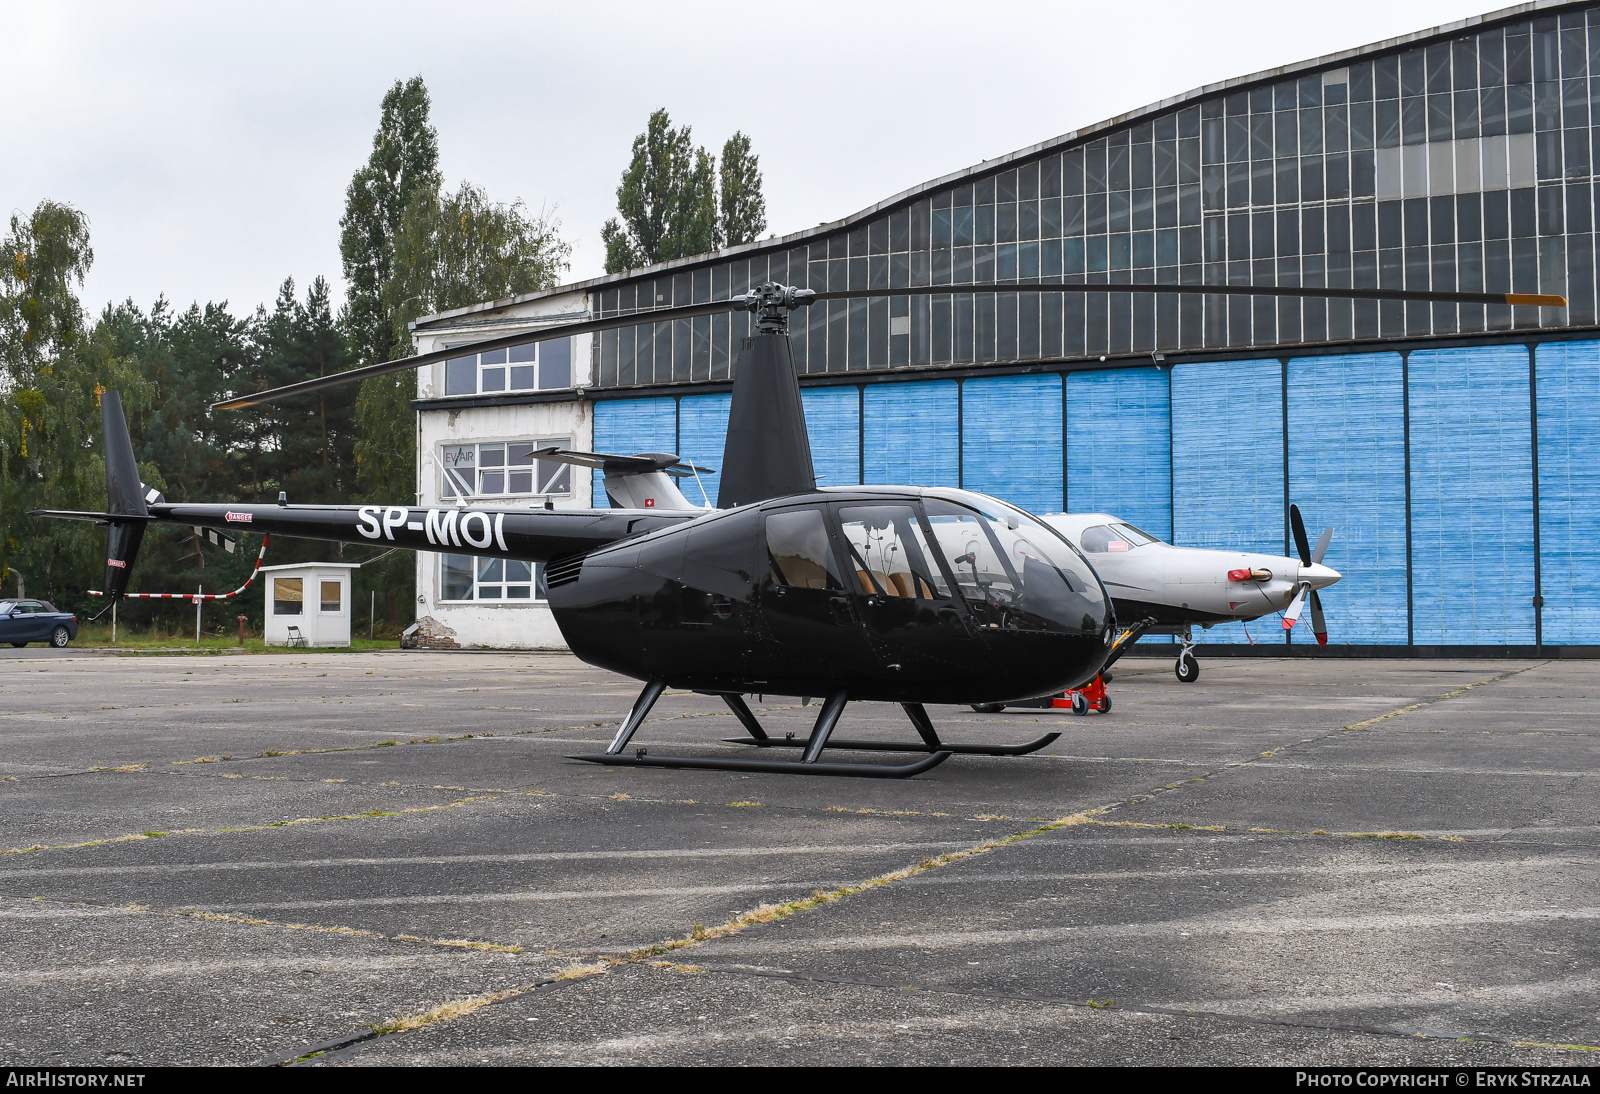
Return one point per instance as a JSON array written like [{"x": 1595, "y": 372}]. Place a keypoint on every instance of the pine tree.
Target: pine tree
[{"x": 743, "y": 211}]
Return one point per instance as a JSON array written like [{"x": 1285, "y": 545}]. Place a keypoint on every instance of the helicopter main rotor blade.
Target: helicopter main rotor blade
[
  {"x": 522, "y": 338},
  {"x": 715, "y": 307}
]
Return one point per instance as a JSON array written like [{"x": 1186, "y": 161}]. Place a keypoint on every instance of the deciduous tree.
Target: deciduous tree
[
  {"x": 404, "y": 163},
  {"x": 741, "y": 208},
  {"x": 667, "y": 200}
]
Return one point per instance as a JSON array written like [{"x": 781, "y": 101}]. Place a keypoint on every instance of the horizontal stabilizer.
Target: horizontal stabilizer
[{"x": 613, "y": 464}]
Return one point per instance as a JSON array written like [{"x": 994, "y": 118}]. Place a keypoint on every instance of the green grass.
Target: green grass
[{"x": 98, "y": 636}]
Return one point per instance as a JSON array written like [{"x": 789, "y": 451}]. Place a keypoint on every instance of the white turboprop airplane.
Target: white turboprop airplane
[{"x": 1157, "y": 588}]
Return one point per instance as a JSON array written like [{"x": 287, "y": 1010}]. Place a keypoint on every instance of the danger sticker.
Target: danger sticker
[
  {"x": 117, "y": 562},
  {"x": 238, "y": 518}
]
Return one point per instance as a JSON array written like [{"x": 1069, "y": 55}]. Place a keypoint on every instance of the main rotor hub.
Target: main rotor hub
[{"x": 772, "y": 304}]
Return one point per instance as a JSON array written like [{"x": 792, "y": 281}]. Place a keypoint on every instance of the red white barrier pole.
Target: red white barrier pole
[{"x": 195, "y": 596}]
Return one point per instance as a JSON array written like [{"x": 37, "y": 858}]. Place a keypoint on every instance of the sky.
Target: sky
[{"x": 210, "y": 145}]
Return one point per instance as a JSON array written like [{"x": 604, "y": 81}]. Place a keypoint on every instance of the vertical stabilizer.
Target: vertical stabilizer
[
  {"x": 124, "y": 496},
  {"x": 768, "y": 453}
]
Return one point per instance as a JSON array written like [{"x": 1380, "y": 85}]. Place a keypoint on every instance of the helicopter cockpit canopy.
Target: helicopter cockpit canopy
[{"x": 1014, "y": 571}]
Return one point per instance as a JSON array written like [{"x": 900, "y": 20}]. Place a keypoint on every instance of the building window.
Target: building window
[
  {"x": 332, "y": 596},
  {"x": 288, "y": 595},
  {"x": 503, "y": 469},
  {"x": 463, "y": 577},
  {"x": 538, "y": 366}
]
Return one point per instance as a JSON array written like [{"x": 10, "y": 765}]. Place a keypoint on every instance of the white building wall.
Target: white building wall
[{"x": 504, "y": 624}]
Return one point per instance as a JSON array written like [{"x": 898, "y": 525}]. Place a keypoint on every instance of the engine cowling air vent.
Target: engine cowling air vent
[{"x": 563, "y": 571}]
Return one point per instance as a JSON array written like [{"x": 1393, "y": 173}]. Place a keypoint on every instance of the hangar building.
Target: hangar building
[{"x": 1455, "y": 449}]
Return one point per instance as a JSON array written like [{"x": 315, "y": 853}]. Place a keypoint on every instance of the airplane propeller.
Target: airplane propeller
[{"x": 1309, "y": 556}]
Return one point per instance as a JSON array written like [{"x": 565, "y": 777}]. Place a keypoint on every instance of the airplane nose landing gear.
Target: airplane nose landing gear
[{"x": 1187, "y": 667}]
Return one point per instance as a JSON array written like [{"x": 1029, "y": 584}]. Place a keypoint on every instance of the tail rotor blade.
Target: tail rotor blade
[
  {"x": 1319, "y": 626},
  {"x": 1298, "y": 526},
  {"x": 1292, "y": 616}
]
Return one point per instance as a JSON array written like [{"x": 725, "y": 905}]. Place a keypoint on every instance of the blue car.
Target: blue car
[{"x": 24, "y": 621}]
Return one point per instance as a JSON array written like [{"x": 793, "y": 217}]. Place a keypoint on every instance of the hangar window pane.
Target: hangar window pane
[
  {"x": 332, "y": 596},
  {"x": 541, "y": 365},
  {"x": 463, "y": 577},
  {"x": 461, "y": 376},
  {"x": 503, "y": 469}
]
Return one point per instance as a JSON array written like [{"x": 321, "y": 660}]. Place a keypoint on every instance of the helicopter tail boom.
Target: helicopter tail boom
[{"x": 535, "y": 535}]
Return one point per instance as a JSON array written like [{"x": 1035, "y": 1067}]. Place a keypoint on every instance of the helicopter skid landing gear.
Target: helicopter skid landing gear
[
  {"x": 808, "y": 764},
  {"x": 919, "y": 718}
]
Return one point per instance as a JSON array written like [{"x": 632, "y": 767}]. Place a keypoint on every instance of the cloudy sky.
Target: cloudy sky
[{"x": 210, "y": 147}]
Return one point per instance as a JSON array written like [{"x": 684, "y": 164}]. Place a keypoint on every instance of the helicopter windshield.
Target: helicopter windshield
[{"x": 1015, "y": 572}]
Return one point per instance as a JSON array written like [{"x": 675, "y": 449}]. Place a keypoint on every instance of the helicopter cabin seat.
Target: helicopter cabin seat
[
  {"x": 899, "y": 583},
  {"x": 800, "y": 572}
]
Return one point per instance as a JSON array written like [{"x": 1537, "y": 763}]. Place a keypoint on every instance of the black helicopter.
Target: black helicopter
[{"x": 895, "y": 594}]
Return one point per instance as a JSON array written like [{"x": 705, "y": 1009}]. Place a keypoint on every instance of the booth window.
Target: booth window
[
  {"x": 538, "y": 366},
  {"x": 501, "y": 469},
  {"x": 332, "y": 596},
  {"x": 288, "y": 595},
  {"x": 463, "y": 577}
]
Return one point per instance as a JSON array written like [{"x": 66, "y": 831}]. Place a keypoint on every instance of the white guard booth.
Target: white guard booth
[{"x": 308, "y": 604}]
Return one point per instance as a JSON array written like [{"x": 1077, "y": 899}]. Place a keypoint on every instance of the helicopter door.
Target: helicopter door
[
  {"x": 812, "y": 634},
  {"x": 697, "y": 619},
  {"x": 919, "y": 630}
]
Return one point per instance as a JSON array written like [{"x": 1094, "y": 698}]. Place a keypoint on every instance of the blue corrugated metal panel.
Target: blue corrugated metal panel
[
  {"x": 833, "y": 423},
  {"x": 1568, "y": 377},
  {"x": 626, "y": 426},
  {"x": 1118, "y": 446},
  {"x": 911, "y": 433},
  {"x": 1011, "y": 440},
  {"x": 1347, "y": 469},
  {"x": 1471, "y": 497},
  {"x": 1227, "y": 467},
  {"x": 702, "y": 435}
]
